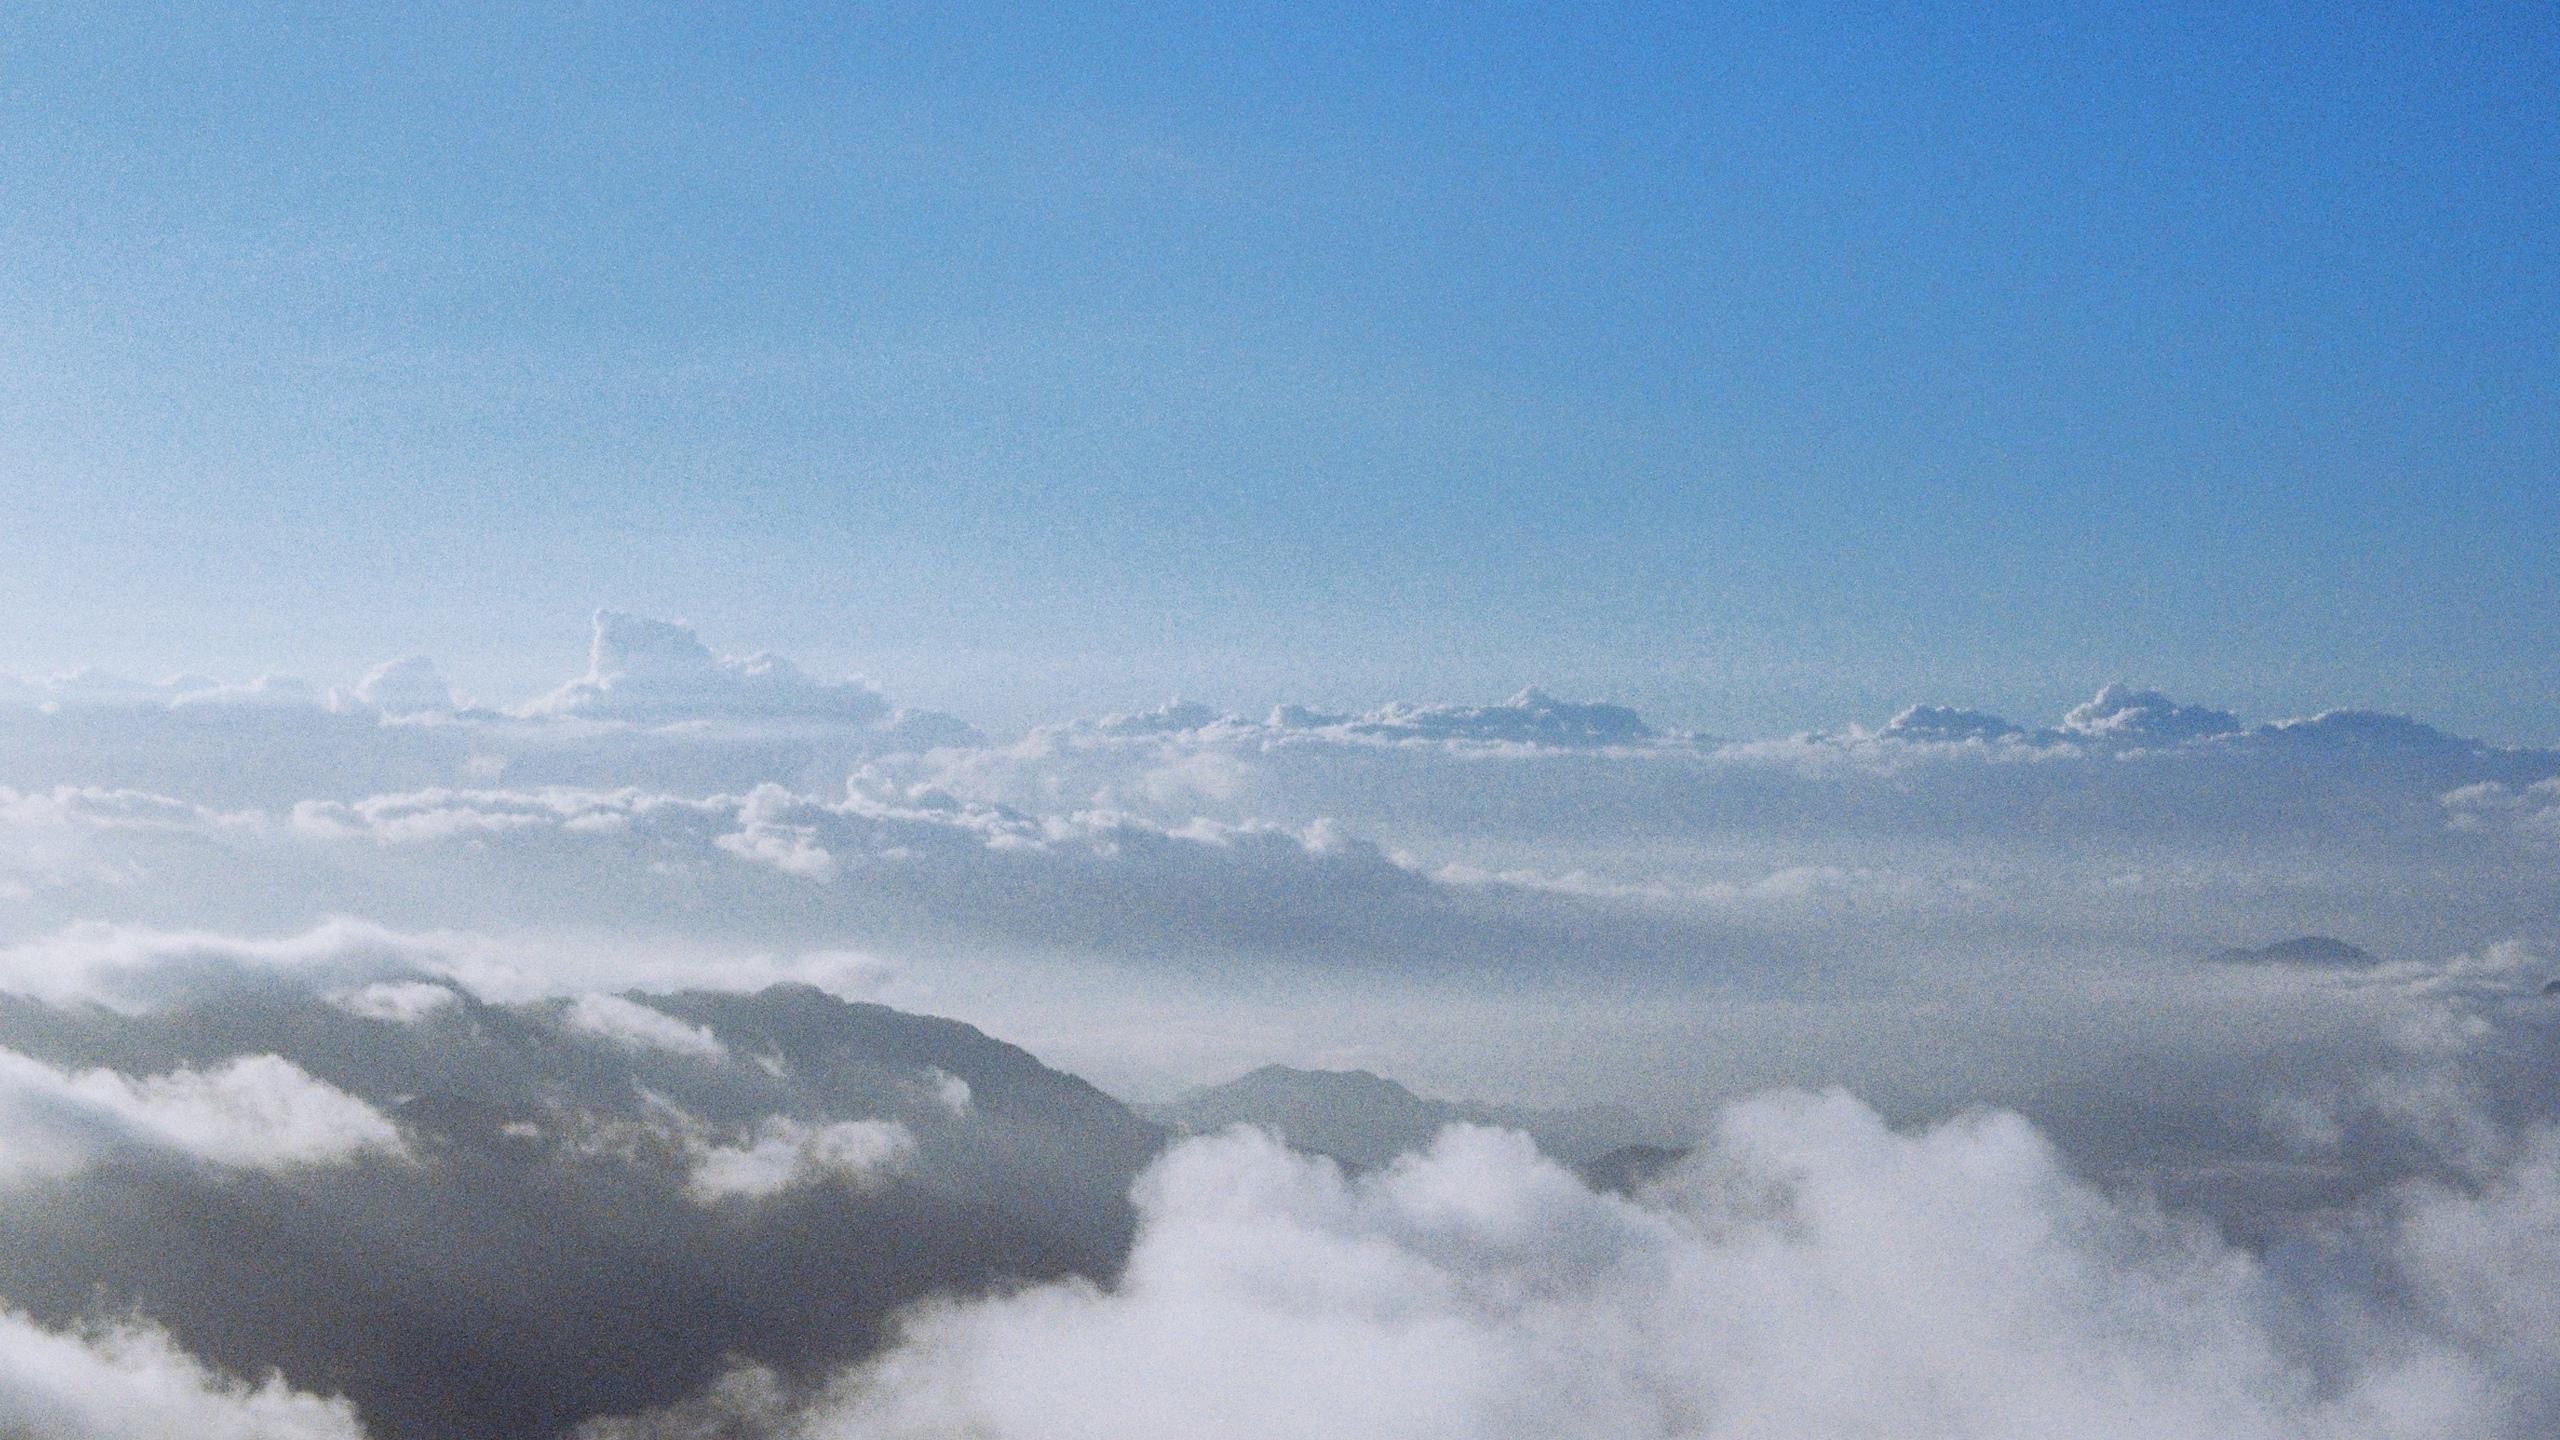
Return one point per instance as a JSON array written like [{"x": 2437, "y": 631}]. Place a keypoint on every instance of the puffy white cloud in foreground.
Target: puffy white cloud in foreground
[
  {"x": 784, "y": 1153},
  {"x": 1813, "y": 1273},
  {"x": 130, "y": 1381},
  {"x": 949, "y": 1091},
  {"x": 2486, "y": 1263},
  {"x": 635, "y": 1026},
  {"x": 399, "y": 1002},
  {"x": 256, "y": 1112}
]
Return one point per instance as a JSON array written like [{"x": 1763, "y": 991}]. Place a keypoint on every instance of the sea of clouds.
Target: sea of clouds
[{"x": 2002, "y": 1104}]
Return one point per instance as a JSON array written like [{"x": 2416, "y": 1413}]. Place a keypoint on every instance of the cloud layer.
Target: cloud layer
[
  {"x": 1810, "y": 1272},
  {"x": 2201, "y": 1066},
  {"x": 1560, "y": 873}
]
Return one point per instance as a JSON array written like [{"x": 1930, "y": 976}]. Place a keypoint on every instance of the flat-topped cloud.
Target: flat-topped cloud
[
  {"x": 656, "y": 671},
  {"x": 654, "y": 704},
  {"x": 408, "y": 686}
]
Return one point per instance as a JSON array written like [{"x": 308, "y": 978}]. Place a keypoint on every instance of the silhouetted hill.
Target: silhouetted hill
[
  {"x": 2301, "y": 950},
  {"x": 1629, "y": 1168},
  {"x": 1366, "y": 1120},
  {"x": 547, "y": 1251}
]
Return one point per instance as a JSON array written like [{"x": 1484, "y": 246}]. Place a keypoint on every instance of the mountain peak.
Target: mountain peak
[{"x": 2300, "y": 950}]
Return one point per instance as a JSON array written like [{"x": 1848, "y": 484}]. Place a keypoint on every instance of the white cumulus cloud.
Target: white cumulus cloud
[
  {"x": 656, "y": 671},
  {"x": 1812, "y": 1273},
  {"x": 255, "y": 1112},
  {"x": 130, "y": 1381},
  {"x": 784, "y": 1153},
  {"x": 636, "y": 1026},
  {"x": 398, "y": 1002}
]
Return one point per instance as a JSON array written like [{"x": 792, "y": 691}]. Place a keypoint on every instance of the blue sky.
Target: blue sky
[{"x": 1763, "y": 366}]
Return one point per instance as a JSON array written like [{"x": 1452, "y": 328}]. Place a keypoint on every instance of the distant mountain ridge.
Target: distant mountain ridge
[
  {"x": 1365, "y": 1119},
  {"x": 2300, "y": 950}
]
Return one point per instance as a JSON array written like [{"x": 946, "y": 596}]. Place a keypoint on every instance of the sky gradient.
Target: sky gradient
[
  {"x": 1864, "y": 730},
  {"x": 1763, "y": 368}
]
